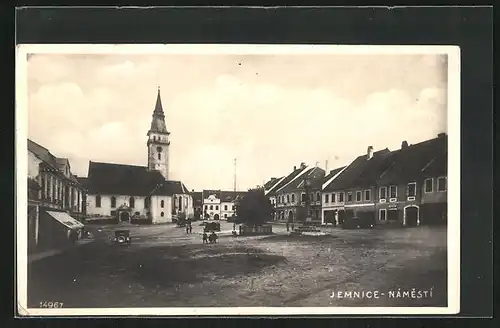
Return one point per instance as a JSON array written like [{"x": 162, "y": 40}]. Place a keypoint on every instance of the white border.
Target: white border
[{"x": 453, "y": 231}]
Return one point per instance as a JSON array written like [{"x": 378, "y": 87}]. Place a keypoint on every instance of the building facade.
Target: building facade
[
  {"x": 351, "y": 193},
  {"x": 299, "y": 200},
  {"x": 219, "y": 204},
  {"x": 331, "y": 202},
  {"x": 408, "y": 194},
  {"x": 52, "y": 188},
  {"x": 143, "y": 193}
]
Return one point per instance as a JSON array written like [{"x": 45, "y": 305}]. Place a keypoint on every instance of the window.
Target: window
[
  {"x": 97, "y": 201},
  {"x": 113, "y": 213},
  {"x": 441, "y": 184},
  {"x": 216, "y": 207},
  {"x": 211, "y": 207},
  {"x": 137, "y": 213},
  {"x": 154, "y": 138},
  {"x": 206, "y": 207},
  {"x": 341, "y": 197},
  {"x": 293, "y": 198},
  {"x": 429, "y": 185},
  {"x": 382, "y": 193},
  {"x": 303, "y": 197},
  {"x": 131, "y": 202},
  {"x": 113, "y": 202},
  {"x": 382, "y": 215},
  {"x": 225, "y": 216},
  {"x": 349, "y": 196},
  {"x": 225, "y": 207},
  {"x": 288, "y": 198},
  {"x": 393, "y": 191},
  {"x": 162, "y": 214},
  {"x": 368, "y": 194},
  {"x": 327, "y": 200},
  {"x": 234, "y": 207},
  {"x": 162, "y": 203},
  {"x": 159, "y": 155},
  {"x": 358, "y": 196},
  {"x": 412, "y": 189},
  {"x": 333, "y": 198}
]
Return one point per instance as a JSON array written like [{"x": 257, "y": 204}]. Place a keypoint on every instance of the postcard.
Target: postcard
[{"x": 238, "y": 179}]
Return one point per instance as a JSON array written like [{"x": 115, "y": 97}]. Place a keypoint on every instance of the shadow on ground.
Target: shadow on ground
[{"x": 92, "y": 273}]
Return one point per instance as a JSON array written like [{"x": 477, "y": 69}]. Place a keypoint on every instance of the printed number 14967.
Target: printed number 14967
[{"x": 51, "y": 305}]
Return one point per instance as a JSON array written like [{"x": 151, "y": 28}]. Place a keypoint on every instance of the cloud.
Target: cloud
[{"x": 100, "y": 109}]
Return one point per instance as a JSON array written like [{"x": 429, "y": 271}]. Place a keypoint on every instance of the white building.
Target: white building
[
  {"x": 143, "y": 192},
  {"x": 220, "y": 205}
]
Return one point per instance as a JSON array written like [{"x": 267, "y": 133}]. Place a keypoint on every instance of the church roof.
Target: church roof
[
  {"x": 130, "y": 180},
  {"x": 158, "y": 122}
]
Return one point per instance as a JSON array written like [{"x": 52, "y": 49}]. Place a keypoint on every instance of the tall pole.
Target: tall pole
[
  {"x": 326, "y": 166},
  {"x": 234, "y": 187}
]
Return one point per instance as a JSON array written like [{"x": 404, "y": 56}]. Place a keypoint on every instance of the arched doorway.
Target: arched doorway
[
  {"x": 290, "y": 216},
  {"x": 341, "y": 215},
  {"x": 411, "y": 216},
  {"x": 216, "y": 216},
  {"x": 124, "y": 216}
]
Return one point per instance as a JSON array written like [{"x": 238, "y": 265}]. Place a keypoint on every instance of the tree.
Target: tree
[{"x": 254, "y": 208}]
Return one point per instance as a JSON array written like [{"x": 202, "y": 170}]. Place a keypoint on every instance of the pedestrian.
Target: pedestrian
[
  {"x": 287, "y": 226},
  {"x": 292, "y": 226},
  {"x": 190, "y": 228},
  {"x": 205, "y": 237},
  {"x": 213, "y": 238},
  {"x": 187, "y": 228},
  {"x": 234, "y": 226}
]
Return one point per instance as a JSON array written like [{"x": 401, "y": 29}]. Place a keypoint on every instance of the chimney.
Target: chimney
[
  {"x": 404, "y": 144},
  {"x": 369, "y": 152},
  {"x": 441, "y": 135},
  {"x": 302, "y": 165}
]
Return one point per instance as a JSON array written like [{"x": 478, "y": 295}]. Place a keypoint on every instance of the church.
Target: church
[{"x": 139, "y": 193}]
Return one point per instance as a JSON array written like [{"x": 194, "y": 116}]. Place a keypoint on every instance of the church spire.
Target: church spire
[
  {"x": 158, "y": 122},
  {"x": 158, "y": 107}
]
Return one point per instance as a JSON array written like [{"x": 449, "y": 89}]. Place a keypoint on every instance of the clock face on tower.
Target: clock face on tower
[{"x": 158, "y": 149}]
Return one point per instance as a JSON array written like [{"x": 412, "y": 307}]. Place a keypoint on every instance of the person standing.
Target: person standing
[
  {"x": 205, "y": 238},
  {"x": 190, "y": 228},
  {"x": 287, "y": 226}
]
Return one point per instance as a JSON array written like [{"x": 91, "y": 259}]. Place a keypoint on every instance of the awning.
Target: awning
[{"x": 66, "y": 219}]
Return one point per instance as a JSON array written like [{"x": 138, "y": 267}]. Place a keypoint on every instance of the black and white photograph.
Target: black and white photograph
[{"x": 237, "y": 179}]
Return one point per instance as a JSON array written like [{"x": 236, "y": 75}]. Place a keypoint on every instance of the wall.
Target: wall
[
  {"x": 105, "y": 209},
  {"x": 434, "y": 196},
  {"x": 225, "y": 214},
  {"x": 161, "y": 165},
  {"x": 33, "y": 165},
  {"x": 156, "y": 209}
]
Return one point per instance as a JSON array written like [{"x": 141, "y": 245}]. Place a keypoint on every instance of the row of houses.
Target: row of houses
[{"x": 407, "y": 186}]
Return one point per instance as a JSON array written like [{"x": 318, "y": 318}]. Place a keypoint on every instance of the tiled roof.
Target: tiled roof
[
  {"x": 197, "y": 198},
  {"x": 271, "y": 183},
  {"x": 49, "y": 161},
  {"x": 407, "y": 164},
  {"x": 231, "y": 196},
  {"x": 208, "y": 192},
  {"x": 286, "y": 180},
  {"x": 313, "y": 175},
  {"x": 332, "y": 173},
  {"x": 361, "y": 172},
  {"x": 119, "y": 179},
  {"x": 43, "y": 154},
  {"x": 437, "y": 166}
]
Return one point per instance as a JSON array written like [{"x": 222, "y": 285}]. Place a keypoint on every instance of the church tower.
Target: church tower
[{"x": 158, "y": 142}]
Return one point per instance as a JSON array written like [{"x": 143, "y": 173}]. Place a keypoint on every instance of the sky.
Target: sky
[{"x": 270, "y": 112}]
